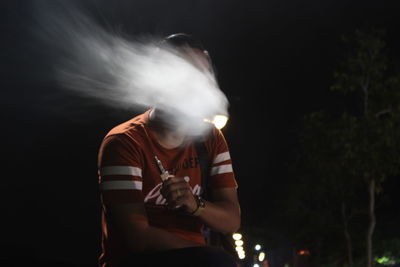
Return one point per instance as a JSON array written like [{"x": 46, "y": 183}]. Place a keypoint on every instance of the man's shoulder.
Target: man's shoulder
[
  {"x": 214, "y": 135},
  {"x": 134, "y": 126},
  {"x": 125, "y": 128}
]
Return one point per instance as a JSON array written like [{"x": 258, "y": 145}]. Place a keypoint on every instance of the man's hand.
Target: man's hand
[{"x": 178, "y": 194}]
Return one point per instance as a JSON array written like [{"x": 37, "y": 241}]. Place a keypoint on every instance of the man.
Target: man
[{"x": 149, "y": 219}]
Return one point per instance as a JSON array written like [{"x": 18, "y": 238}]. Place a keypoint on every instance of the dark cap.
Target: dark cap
[{"x": 182, "y": 40}]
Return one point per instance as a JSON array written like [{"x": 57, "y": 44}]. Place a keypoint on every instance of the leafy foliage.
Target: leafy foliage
[{"x": 342, "y": 151}]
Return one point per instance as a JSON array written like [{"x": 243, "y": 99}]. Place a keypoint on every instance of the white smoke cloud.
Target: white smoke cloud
[{"x": 131, "y": 73}]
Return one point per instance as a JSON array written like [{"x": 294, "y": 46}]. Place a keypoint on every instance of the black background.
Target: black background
[{"x": 275, "y": 61}]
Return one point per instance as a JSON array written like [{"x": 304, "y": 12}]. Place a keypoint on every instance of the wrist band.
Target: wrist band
[{"x": 200, "y": 206}]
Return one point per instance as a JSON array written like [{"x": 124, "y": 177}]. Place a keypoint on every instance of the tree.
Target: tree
[
  {"x": 372, "y": 145},
  {"x": 354, "y": 148},
  {"x": 331, "y": 193}
]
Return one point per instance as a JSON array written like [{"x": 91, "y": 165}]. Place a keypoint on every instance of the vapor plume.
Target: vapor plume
[{"x": 122, "y": 72}]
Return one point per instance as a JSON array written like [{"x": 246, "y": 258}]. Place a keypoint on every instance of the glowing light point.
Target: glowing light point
[
  {"x": 238, "y": 249},
  {"x": 239, "y": 243},
  {"x": 237, "y": 236},
  {"x": 304, "y": 252},
  {"x": 385, "y": 260},
  {"x": 257, "y": 247},
  {"x": 220, "y": 121},
  {"x": 256, "y": 265},
  {"x": 261, "y": 256}
]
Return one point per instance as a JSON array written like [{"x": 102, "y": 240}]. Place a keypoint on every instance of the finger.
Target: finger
[
  {"x": 165, "y": 176},
  {"x": 176, "y": 194},
  {"x": 178, "y": 202},
  {"x": 164, "y": 187},
  {"x": 176, "y": 186},
  {"x": 166, "y": 190},
  {"x": 178, "y": 198},
  {"x": 186, "y": 202},
  {"x": 172, "y": 180}
]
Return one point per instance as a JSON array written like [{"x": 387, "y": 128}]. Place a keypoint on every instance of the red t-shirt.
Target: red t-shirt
[{"x": 128, "y": 173}]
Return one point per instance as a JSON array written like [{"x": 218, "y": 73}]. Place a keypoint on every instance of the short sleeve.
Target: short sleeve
[
  {"x": 120, "y": 171},
  {"x": 221, "y": 172}
]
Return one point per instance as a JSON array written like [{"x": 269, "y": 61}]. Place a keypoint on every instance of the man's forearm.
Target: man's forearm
[
  {"x": 130, "y": 222},
  {"x": 221, "y": 216}
]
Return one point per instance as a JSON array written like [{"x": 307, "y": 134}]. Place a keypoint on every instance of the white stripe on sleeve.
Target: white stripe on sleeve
[
  {"x": 121, "y": 170},
  {"x": 222, "y": 157},
  {"x": 121, "y": 185},
  {"x": 221, "y": 169}
]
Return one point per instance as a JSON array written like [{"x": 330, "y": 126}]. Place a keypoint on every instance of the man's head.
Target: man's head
[
  {"x": 200, "y": 98},
  {"x": 191, "y": 49}
]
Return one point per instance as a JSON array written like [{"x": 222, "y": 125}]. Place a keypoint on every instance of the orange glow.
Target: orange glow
[{"x": 304, "y": 252}]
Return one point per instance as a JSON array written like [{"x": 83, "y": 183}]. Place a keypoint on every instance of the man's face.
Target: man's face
[
  {"x": 178, "y": 119},
  {"x": 177, "y": 122},
  {"x": 199, "y": 58}
]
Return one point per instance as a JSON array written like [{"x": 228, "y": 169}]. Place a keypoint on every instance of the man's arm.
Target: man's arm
[
  {"x": 222, "y": 214},
  {"x": 130, "y": 221}
]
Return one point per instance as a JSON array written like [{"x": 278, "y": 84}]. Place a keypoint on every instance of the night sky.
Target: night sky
[{"x": 275, "y": 61}]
